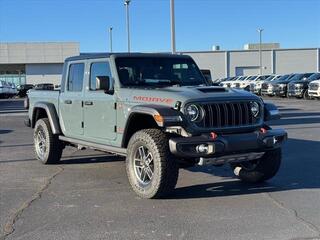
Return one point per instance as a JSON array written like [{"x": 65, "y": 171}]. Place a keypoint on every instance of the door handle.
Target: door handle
[
  {"x": 88, "y": 103},
  {"x": 67, "y": 101}
]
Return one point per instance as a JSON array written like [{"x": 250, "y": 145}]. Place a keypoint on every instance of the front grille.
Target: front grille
[
  {"x": 266, "y": 86},
  {"x": 313, "y": 86},
  {"x": 228, "y": 115},
  {"x": 292, "y": 87}
]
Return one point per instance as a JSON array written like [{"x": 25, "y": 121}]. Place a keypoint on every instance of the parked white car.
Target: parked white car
[
  {"x": 4, "y": 89},
  {"x": 228, "y": 83},
  {"x": 238, "y": 82},
  {"x": 314, "y": 89},
  {"x": 256, "y": 85}
]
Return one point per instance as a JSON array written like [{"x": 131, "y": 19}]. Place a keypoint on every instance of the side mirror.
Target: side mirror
[{"x": 103, "y": 83}]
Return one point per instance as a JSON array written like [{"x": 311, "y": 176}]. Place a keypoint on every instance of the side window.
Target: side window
[
  {"x": 98, "y": 69},
  {"x": 75, "y": 77}
]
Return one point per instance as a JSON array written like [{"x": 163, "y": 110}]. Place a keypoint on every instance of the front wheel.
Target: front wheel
[
  {"x": 151, "y": 169},
  {"x": 306, "y": 95},
  {"x": 259, "y": 170}
]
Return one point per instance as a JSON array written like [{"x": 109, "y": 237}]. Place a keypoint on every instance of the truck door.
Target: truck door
[
  {"x": 70, "y": 101},
  {"x": 99, "y": 107}
]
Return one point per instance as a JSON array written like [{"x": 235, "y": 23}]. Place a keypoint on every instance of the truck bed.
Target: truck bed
[{"x": 45, "y": 96}]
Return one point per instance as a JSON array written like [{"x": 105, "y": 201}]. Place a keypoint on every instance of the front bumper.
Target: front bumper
[
  {"x": 295, "y": 93},
  {"x": 314, "y": 93},
  {"x": 268, "y": 91},
  {"x": 188, "y": 147},
  {"x": 280, "y": 92}
]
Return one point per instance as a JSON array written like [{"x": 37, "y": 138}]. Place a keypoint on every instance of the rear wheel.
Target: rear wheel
[
  {"x": 259, "y": 170},
  {"x": 151, "y": 169},
  {"x": 47, "y": 146}
]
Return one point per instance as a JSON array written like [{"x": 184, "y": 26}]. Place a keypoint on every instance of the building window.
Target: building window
[
  {"x": 98, "y": 69},
  {"x": 75, "y": 77}
]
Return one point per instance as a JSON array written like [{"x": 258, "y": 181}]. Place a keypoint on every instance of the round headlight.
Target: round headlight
[
  {"x": 254, "y": 107},
  {"x": 194, "y": 112}
]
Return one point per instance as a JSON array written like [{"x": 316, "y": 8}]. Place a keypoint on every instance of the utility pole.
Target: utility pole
[
  {"x": 126, "y": 3},
  {"x": 260, "y": 53},
  {"x": 173, "y": 33},
  {"x": 110, "y": 38}
]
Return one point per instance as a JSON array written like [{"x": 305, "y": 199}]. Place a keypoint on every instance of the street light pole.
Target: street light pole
[
  {"x": 126, "y": 3},
  {"x": 173, "y": 34},
  {"x": 110, "y": 36},
  {"x": 260, "y": 53}
]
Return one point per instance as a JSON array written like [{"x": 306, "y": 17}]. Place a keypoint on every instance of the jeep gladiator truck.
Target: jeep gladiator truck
[{"x": 159, "y": 112}]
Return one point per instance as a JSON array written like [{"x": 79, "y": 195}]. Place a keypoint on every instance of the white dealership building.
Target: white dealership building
[
  {"x": 32, "y": 63},
  {"x": 42, "y": 62}
]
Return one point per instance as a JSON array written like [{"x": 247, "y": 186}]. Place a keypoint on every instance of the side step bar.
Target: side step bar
[{"x": 101, "y": 147}]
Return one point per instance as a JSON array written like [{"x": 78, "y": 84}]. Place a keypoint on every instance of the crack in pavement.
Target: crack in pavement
[
  {"x": 309, "y": 225},
  {"x": 9, "y": 225}
]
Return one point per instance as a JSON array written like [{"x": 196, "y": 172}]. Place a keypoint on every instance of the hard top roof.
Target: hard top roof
[{"x": 83, "y": 56}]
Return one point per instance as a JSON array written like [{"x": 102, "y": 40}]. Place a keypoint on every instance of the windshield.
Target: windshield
[
  {"x": 300, "y": 76},
  {"x": 270, "y": 78},
  {"x": 158, "y": 71},
  {"x": 252, "y": 78},
  {"x": 284, "y": 77},
  {"x": 314, "y": 76}
]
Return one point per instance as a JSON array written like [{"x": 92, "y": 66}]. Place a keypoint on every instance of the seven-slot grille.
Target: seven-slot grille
[
  {"x": 313, "y": 86},
  {"x": 228, "y": 115}
]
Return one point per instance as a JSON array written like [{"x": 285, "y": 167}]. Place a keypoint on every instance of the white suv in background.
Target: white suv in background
[
  {"x": 314, "y": 89},
  {"x": 237, "y": 83},
  {"x": 256, "y": 85},
  {"x": 4, "y": 89}
]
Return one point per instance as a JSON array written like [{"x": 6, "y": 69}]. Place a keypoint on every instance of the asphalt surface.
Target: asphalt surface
[{"x": 87, "y": 195}]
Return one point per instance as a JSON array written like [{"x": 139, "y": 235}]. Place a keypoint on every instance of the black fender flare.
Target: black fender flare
[
  {"x": 168, "y": 115},
  {"x": 271, "y": 112},
  {"x": 51, "y": 113}
]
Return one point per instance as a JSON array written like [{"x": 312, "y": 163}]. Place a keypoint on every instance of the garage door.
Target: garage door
[{"x": 246, "y": 71}]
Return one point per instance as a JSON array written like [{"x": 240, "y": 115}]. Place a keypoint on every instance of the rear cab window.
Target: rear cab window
[{"x": 75, "y": 77}]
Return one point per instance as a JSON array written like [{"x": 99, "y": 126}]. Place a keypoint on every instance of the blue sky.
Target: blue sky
[{"x": 199, "y": 23}]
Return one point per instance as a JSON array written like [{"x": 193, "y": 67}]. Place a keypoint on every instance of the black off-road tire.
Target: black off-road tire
[
  {"x": 53, "y": 146},
  {"x": 306, "y": 95},
  {"x": 263, "y": 169},
  {"x": 166, "y": 170}
]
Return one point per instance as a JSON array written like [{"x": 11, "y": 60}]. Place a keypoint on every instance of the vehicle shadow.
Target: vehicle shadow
[
  {"x": 5, "y": 131},
  {"x": 299, "y": 170},
  {"x": 300, "y": 114}
]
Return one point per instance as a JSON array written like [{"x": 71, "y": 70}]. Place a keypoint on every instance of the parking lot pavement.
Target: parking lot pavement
[
  {"x": 87, "y": 195},
  {"x": 12, "y": 106}
]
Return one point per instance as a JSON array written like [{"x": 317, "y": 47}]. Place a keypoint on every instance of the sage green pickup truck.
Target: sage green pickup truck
[{"x": 158, "y": 111}]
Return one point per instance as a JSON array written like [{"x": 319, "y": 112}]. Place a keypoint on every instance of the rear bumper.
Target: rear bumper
[
  {"x": 188, "y": 147},
  {"x": 27, "y": 122}
]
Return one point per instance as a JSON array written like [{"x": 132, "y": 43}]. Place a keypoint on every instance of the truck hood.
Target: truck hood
[{"x": 170, "y": 95}]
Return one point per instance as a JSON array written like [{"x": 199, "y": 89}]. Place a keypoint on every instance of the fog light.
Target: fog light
[{"x": 202, "y": 148}]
